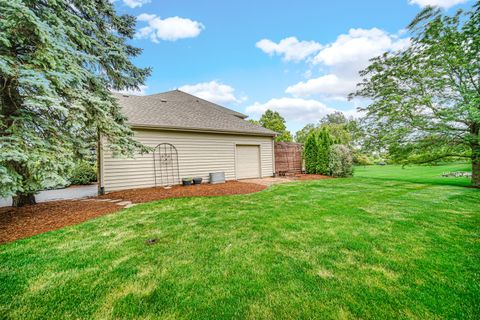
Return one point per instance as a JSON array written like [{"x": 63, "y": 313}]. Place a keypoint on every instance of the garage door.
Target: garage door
[{"x": 248, "y": 162}]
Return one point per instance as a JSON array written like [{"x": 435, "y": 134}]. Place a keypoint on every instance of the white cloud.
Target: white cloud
[
  {"x": 358, "y": 46},
  {"x": 344, "y": 58},
  {"x": 135, "y": 3},
  {"x": 295, "y": 109},
  {"x": 307, "y": 74},
  {"x": 329, "y": 84},
  {"x": 140, "y": 92},
  {"x": 169, "y": 29},
  {"x": 213, "y": 91},
  {"x": 290, "y": 48},
  {"x": 437, "y": 3}
]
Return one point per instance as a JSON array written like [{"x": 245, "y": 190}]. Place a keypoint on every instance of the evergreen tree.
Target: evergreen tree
[
  {"x": 324, "y": 143},
  {"x": 59, "y": 60},
  {"x": 310, "y": 153}
]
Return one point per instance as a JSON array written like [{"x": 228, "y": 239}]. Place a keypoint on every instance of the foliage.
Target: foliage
[
  {"x": 316, "y": 151},
  {"x": 336, "y": 117},
  {"x": 274, "y": 121},
  {"x": 426, "y": 99},
  {"x": 256, "y": 122},
  {"x": 83, "y": 172},
  {"x": 362, "y": 159},
  {"x": 340, "y": 163},
  {"x": 338, "y": 133},
  {"x": 315, "y": 250},
  {"x": 302, "y": 134},
  {"x": 343, "y": 130},
  {"x": 324, "y": 144},
  {"x": 310, "y": 153},
  {"x": 58, "y": 62}
]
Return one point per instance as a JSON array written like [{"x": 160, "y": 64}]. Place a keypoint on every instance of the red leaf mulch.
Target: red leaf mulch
[
  {"x": 159, "y": 193},
  {"x": 18, "y": 223}
]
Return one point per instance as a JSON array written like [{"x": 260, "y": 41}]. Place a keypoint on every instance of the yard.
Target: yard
[{"x": 389, "y": 243}]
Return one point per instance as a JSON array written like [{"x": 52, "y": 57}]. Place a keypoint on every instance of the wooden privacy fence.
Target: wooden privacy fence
[{"x": 288, "y": 158}]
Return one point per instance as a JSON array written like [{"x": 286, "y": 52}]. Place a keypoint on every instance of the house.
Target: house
[{"x": 192, "y": 137}]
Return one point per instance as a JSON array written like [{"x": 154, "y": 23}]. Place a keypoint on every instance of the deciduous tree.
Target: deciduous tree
[
  {"x": 426, "y": 99},
  {"x": 302, "y": 134},
  {"x": 274, "y": 121}
]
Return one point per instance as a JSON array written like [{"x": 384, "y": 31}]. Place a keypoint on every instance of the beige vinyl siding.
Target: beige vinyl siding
[{"x": 198, "y": 155}]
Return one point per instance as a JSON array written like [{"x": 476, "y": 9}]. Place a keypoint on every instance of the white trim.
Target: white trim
[
  {"x": 202, "y": 130},
  {"x": 273, "y": 158}
]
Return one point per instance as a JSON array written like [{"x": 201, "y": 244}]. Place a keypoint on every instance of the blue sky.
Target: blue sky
[{"x": 300, "y": 58}]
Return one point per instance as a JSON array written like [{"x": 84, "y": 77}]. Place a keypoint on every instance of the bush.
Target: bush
[
  {"x": 317, "y": 151},
  {"x": 340, "y": 162},
  {"x": 362, "y": 159},
  {"x": 310, "y": 153},
  {"x": 83, "y": 173},
  {"x": 324, "y": 144}
]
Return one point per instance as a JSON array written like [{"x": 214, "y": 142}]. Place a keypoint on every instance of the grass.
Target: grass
[
  {"x": 389, "y": 243},
  {"x": 417, "y": 174}
]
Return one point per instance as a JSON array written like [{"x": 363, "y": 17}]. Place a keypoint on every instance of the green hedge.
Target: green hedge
[{"x": 317, "y": 151}]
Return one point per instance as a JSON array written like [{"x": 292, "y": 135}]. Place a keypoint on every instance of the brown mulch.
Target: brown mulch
[
  {"x": 305, "y": 176},
  {"x": 18, "y": 223},
  {"x": 159, "y": 193}
]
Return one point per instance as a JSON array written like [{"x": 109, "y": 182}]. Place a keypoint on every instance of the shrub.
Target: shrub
[
  {"x": 362, "y": 159},
  {"x": 324, "y": 143},
  {"x": 83, "y": 173},
  {"x": 341, "y": 161},
  {"x": 317, "y": 151},
  {"x": 310, "y": 152}
]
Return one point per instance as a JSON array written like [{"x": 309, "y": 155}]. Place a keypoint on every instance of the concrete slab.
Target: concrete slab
[
  {"x": 123, "y": 203},
  {"x": 73, "y": 192},
  {"x": 268, "y": 181}
]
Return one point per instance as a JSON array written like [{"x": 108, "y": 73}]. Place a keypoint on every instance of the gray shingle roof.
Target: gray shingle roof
[{"x": 179, "y": 110}]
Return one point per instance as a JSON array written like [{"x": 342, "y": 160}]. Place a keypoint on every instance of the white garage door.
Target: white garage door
[{"x": 248, "y": 162}]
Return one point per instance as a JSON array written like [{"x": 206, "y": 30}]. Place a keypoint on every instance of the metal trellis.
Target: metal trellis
[{"x": 165, "y": 165}]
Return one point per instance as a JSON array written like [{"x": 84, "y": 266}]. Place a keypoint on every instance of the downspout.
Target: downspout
[
  {"x": 274, "y": 174},
  {"x": 101, "y": 188}
]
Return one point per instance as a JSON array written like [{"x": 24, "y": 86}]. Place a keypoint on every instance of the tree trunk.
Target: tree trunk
[
  {"x": 475, "y": 145},
  {"x": 476, "y": 172},
  {"x": 23, "y": 199},
  {"x": 476, "y": 165}
]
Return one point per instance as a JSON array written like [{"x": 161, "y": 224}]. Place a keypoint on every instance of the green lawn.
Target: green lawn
[
  {"x": 389, "y": 243},
  {"x": 416, "y": 174}
]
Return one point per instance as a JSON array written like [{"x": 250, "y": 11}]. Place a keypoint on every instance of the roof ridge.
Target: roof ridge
[
  {"x": 189, "y": 94},
  {"x": 216, "y": 104},
  {"x": 183, "y": 110}
]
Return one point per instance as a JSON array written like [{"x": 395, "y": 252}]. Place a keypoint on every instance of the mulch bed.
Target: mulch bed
[
  {"x": 159, "y": 193},
  {"x": 18, "y": 223}
]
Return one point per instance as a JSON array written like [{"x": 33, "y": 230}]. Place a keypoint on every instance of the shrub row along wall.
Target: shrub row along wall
[{"x": 288, "y": 158}]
